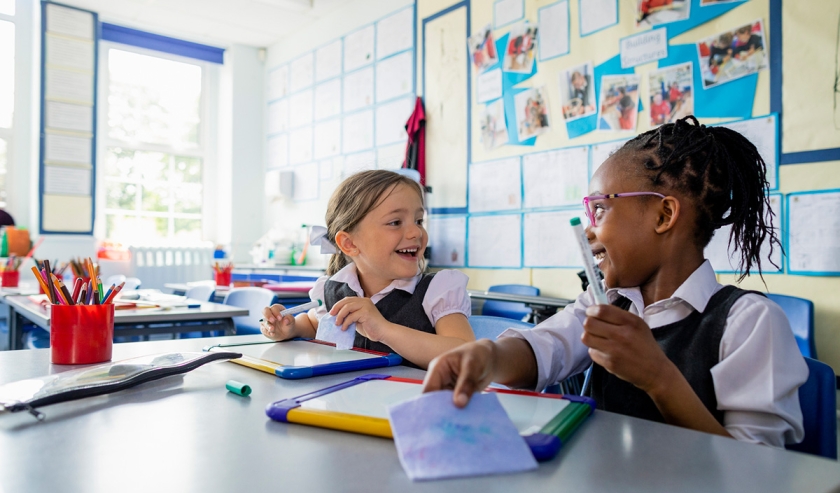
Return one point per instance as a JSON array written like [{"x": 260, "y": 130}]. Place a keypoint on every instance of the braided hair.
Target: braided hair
[{"x": 723, "y": 172}]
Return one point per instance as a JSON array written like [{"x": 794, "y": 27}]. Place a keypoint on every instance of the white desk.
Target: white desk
[
  {"x": 187, "y": 433},
  {"x": 127, "y": 323}
]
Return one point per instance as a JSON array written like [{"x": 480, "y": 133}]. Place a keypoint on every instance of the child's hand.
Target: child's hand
[
  {"x": 467, "y": 369},
  {"x": 276, "y": 328},
  {"x": 624, "y": 345},
  {"x": 361, "y": 311}
]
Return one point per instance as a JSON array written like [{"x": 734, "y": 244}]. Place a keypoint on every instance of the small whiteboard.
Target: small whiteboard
[{"x": 813, "y": 233}]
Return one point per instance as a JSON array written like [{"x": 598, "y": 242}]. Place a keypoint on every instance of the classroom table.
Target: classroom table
[
  {"x": 188, "y": 433},
  {"x": 296, "y": 291},
  {"x": 127, "y": 323},
  {"x": 542, "y": 307}
]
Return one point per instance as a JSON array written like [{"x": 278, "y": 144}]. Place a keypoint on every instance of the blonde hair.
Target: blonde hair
[{"x": 354, "y": 199}]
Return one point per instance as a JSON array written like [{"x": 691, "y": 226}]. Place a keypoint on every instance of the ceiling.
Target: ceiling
[{"x": 217, "y": 22}]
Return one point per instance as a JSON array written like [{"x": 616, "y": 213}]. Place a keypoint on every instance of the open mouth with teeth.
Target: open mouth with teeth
[
  {"x": 408, "y": 253},
  {"x": 599, "y": 256}
]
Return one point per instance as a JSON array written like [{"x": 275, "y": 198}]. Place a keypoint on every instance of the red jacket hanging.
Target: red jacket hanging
[{"x": 415, "y": 149}]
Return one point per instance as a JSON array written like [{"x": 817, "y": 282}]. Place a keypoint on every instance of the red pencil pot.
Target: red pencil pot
[
  {"x": 222, "y": 278},
  {"x": 81, "y": 334},
  {"x": 11, "y": 278}
]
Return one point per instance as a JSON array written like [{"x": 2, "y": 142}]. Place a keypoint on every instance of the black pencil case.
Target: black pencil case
[{"x": 30, "y": 394}]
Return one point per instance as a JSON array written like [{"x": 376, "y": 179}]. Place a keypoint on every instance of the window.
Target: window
[
  {"x": 7, "y": 89},
  {"x": 154, "y": 147}
]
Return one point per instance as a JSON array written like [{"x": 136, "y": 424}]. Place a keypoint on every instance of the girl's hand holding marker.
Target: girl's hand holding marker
[{"x": 278, "y": 322}]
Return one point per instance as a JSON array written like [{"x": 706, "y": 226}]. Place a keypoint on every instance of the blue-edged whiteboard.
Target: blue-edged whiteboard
[{"x": 813, "y": 233}]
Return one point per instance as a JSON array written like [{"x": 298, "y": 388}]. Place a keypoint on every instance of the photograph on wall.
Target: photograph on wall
[
  {"x": 493, "y": 126},
  {"x": 619, "y": 103},
  {"x": 671, "y": 95},
  {"x": 521, "y": 49},
  {"x": 733, "y": 54},
  {"x": 577, "y": 92},
  {"x": 655, "y": 12},
  {"x": 483, "y": 49},
  {"x": 531, "y": 113}
]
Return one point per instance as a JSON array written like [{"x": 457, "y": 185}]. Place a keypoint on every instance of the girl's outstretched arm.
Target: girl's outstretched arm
[{"x": 471, "y": 367}]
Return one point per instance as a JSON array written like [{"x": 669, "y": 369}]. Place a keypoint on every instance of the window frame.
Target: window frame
[
  {"x": 204, "y": 150},
  {"x": 7, "y": 134}
]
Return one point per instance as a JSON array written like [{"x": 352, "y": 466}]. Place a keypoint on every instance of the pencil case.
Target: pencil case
[{"x": 30, "y": 394}]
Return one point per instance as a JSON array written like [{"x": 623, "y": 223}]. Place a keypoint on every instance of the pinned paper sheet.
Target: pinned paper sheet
[
  {"x": 330, "y": 332},
  {"x": 436, "y": 440}
]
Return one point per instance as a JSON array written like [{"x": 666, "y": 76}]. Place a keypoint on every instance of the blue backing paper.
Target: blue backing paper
[
  {"x": 509, "y": 80},
  {"x": 733, "y": 99}
]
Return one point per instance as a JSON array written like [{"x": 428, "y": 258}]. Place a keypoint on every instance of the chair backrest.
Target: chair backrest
[
  {"x": 200, "y": 292},
  {"x": 487, "y": 327},
  {"x": 800, "y": 313},
  {"x": 132, "y": 283},
  {"x": 254, "y": 299},
  {"x": 115, "y": 280},
  {"x": 508, "y": 309},
  {"x": 818, "y": 399}
]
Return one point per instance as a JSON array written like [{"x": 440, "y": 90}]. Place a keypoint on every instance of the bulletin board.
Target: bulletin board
[
  {"x": 595, "y": 74},
  {"x": 342, "y": 107},
  {"x": 69, "y": 51}
]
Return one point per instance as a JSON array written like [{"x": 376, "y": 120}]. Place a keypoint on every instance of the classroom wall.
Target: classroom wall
[
  {"x": 244, "y": 175},
  {"x": 564, "y": 282},
  {"x": 283, "y": 215},
  {"x": 233, "y": 164}
]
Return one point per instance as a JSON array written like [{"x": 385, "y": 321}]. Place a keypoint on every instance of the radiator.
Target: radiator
[{"x": 156, "y": 266}]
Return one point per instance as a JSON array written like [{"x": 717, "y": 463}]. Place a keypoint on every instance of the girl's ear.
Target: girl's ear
[
  {"x": 344, "y": 242},
  {"x": 669, "y": 213}
]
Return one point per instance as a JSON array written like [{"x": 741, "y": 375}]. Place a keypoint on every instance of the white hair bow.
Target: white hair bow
[{"x": 318, "y": 236}]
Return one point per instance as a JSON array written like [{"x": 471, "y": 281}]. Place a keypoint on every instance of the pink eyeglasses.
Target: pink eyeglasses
[{"x": 587, "y": 200}]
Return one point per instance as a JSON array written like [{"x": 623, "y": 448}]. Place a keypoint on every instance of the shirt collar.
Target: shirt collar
[
  {"x": 350, "y": 276},
  {"x": 697, "y": 290}
]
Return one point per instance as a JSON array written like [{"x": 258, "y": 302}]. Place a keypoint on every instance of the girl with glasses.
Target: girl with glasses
[{"x": 673, "y": 345}]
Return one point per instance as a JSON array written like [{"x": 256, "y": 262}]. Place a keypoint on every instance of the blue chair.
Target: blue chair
[
  {"x": 199, "y": 292},
  {"x": 800, "y": 313},
  {"x": 508, "y": 309},
  {"x": 254, "y": 299},
  {"x": 487, "y": 327},
  {"x": 818, "y": 399}
]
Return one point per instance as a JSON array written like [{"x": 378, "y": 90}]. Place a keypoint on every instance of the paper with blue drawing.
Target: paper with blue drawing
[
  {"x": 330, "y": 332},
  {"x": 436, "y": 440}
]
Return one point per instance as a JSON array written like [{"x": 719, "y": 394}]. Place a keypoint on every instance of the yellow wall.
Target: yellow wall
[{"x": 823, "y": 291}]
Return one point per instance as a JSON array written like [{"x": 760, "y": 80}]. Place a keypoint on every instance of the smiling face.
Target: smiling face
[
  {"x": 388, "y": 243},
  {"x": 624, "y": 241}
]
